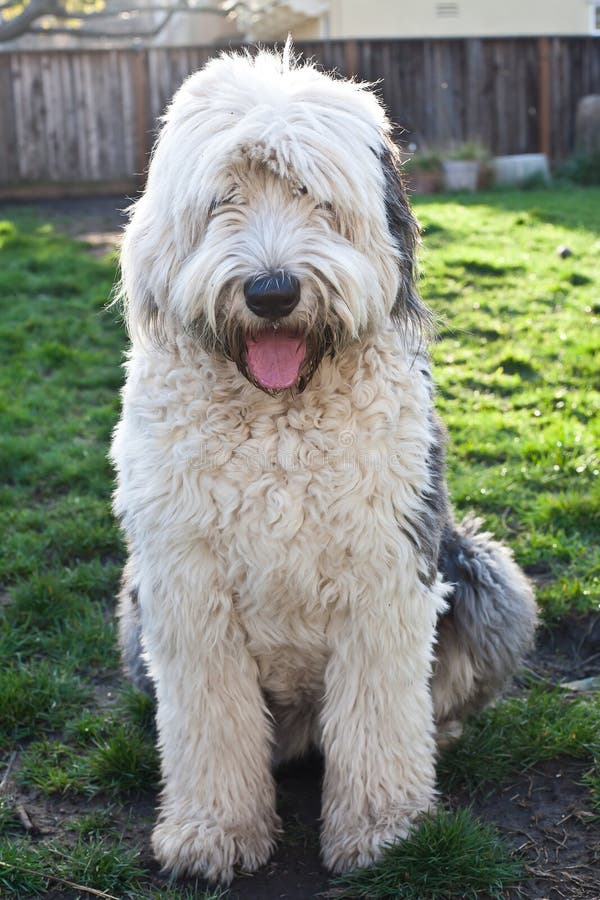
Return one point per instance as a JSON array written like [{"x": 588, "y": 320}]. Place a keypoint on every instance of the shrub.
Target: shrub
[{"x": 583, "y": 169}]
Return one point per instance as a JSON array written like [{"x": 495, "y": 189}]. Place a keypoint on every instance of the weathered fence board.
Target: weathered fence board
[{"x": 87, "y": 118}]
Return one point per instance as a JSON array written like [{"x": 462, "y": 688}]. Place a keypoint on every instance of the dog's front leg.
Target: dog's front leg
[
  {"x": 218, "y": 801},
  {"x": 377, "y": 723}
]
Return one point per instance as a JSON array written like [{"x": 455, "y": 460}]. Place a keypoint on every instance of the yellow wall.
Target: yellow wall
[
  {"x": 309, "y": 30},
  {"x": 476, "y": 18},
  {"x": 189, "y": 29}
]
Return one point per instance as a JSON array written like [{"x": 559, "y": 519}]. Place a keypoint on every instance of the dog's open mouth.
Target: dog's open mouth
[{"x": 275, "y": 358}]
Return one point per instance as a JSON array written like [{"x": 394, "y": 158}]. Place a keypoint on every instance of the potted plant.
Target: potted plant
[
  {"x": 424, "y": 172},
  {"x": 464, "y": 166}
]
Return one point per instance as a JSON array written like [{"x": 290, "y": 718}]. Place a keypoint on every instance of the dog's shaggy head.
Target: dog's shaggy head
[{"x": 274, "y": 227}]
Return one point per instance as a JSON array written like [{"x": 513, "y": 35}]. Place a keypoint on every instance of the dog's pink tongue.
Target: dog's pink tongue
[{"x": 275, "y": 358}]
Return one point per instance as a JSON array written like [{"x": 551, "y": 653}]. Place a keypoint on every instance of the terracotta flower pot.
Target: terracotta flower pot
[{"x": 424, "y": 182}]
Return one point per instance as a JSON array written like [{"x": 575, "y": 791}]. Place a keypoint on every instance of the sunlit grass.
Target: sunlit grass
[{"x": 517, "y": 369}]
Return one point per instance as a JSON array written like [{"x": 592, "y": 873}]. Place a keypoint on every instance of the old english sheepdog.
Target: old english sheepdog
[{"x": 295, "y": 575}]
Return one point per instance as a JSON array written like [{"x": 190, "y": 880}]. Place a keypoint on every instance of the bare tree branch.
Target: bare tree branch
[
  {"x": 115, "y": 12},
  {"x": 115, "y": 35},
  {"x": 20, "y": 24},
  {"x": 25, "y": 22}
]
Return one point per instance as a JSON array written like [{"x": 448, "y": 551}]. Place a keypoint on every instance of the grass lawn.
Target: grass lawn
[{"x": 518, "y": 375}]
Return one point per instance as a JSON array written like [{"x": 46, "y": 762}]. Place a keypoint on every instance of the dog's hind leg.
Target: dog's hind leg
[
  {"x": 130, "y": 631},
  {"x": 489, "y": 627}
]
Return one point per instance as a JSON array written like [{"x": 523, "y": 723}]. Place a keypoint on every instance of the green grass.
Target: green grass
[
  {"x": 61, "y": 868},
  {"x": 450, "y": 855},
  {"x": 519, "y": 733},
  {"x": 516, "y": 364},
  {"x": 36, "y": 697},
  {"x": 28, "y": 871},
  {"x": 517, "y": 369},
  {"x": 111, "y": 754},
  {"x": 58, "y": 402}
]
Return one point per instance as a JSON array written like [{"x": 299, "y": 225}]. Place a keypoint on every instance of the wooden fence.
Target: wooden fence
[{"x": 74, "y": 121}]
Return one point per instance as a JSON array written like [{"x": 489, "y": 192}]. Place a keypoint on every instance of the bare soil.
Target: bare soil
[
  {"x": 568, "y": 651},
  {"x": 98, "y": 221},
  {"x": 545, "y": 815}
]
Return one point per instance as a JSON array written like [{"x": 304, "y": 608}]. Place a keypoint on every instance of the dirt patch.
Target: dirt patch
[
  {"x": 569, "y": 650},
  {"x": 98, "y": 221},
  {"x": 295, "y": 871},
  {"x": 100, "y": 242},
  {"x": 544, "y": 814}
]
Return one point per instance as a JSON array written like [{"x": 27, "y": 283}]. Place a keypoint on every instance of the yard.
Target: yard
[{"x": 517, "y": 366}]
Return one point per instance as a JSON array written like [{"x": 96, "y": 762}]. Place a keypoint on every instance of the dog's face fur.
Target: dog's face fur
[{"x": 267, "y": 169}]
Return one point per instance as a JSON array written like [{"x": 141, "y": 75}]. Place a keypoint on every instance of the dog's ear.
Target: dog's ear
[
  {"x": 408, "y": 307},
  {"x": 145, "y": 263},
  {"x": 144, "y": 317}
]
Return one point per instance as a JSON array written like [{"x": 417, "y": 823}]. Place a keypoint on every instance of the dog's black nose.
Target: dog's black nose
[{"x": 272, "y": 296}]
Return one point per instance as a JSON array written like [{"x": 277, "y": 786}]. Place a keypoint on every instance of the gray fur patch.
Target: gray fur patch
[
  {"x": 425, "y": 531},
  {"x": 130, "y": 634},
  {"x": 153, "y": 321},
  {"x": 491, "y": 623},
  {"x": 408, "y": 310}
]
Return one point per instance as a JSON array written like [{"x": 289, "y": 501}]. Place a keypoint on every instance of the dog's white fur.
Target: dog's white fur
[{"x": 278, "y": 563}]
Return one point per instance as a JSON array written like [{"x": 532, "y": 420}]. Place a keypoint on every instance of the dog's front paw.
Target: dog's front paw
[
  {"x": 347, "y": 844},
  {"x": 210, "y": 850}
]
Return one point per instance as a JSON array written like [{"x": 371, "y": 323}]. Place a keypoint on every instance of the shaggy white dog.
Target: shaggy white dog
[{"x": 281, "y": 476}]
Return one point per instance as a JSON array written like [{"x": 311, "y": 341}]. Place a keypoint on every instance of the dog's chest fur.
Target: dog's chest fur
[{"x": 297, "y": 498}]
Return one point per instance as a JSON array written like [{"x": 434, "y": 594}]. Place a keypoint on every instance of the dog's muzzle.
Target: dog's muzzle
[
  {"x": 274, "y": 356},
  {"x": 272, "y": 296},
  {"x": 277, "y": 351}
]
